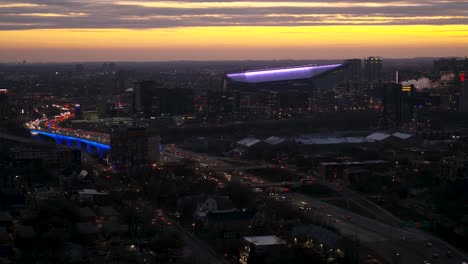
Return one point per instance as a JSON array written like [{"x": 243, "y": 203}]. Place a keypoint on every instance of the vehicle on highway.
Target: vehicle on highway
[
  {"x": 307, "y": 180},
  {"x": 282, "y": 198},
  {"x": 303, "y": 206},
  {"x": 348, "y": 217},
  {"x": 435, "y": 255}
]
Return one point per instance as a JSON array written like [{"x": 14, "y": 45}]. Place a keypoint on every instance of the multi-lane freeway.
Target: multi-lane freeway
[{"x": 382, "y": 235}]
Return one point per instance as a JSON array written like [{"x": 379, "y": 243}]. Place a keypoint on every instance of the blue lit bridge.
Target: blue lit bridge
[{"x": 92, "y": 142}]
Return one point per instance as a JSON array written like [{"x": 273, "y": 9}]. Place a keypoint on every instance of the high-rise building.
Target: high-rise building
[
  {"x": 463, "y": 102},
  {"x": 373, "y": 69},
  {"x": 4, "y": 106},
  {"x": 133, "y": 146},
  {"x": 398, "y": 103},
  {"x": 153, "y": 100},
  {"x": 445, "y": 66},
  {"x": 353, "y": 73},
  {"x": 293, "y": 100},
  {"x": 121, "y": 81},
  {"x": 456, "y": 71},
  {"x": 450, "y": 66},
  {"x": 219, "y": 102}
]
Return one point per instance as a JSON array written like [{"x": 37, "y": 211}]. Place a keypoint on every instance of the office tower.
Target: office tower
[
  {"x": 398, "y": 102},
  {"x": 450, "y": 66},
  {"x": 445, "y": 66},
  {"x": 220, "y": 102},
  {"x": 4, "y": 105},
  {"x": 453, "y": 74},
  {"x": 121, "y": 82},
  {"x": 373, "y": 69},
  {"x": 353, "y": 73},
  {"x": 463, "y": 102},
  {"x": 133, "y": 146},
  {"x": 153, "y": 100}
]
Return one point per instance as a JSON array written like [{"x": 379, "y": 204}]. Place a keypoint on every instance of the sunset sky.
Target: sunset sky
[{"x": 132, "y": 30}]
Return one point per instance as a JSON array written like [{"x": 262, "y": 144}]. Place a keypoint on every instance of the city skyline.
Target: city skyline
[{"x": 63, "y": 31}]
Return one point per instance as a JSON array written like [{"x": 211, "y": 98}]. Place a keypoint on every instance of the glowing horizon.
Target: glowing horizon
[{"x": 142, "y": 30}]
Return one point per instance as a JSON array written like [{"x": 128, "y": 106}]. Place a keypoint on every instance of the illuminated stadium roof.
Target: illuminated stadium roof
[{"x": 281, "y": 74}]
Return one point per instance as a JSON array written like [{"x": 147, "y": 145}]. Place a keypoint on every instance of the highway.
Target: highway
[
  {"x": 52, "y": 125},
  {"x": 202, "y": 253},
  {"x": 382, "y": 235}
]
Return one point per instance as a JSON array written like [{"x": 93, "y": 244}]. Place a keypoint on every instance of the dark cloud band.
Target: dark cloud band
[{"x": 148, "y": 14}]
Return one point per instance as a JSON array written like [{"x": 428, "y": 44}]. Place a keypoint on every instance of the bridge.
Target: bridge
[{"x": 99, "y": 143}]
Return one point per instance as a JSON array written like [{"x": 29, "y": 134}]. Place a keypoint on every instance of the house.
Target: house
[
  {"x": 5, "y": 219},
  {"x": 6, "y": 249},
  {"x": 257, "y": 249},
  {"x": 87, "y": 230},
  {"x": 85, "y": 214},
  {"x": 73, "y": 253},
  {"x": 28, "y": 215},
  {"x": 328, "y": 243},
  {"x": 107, "y": 213},
  {"x": 4, "y": 236},
  {"x": 92, "y": 196},
  {"x": 202, "y": 204},
  {"x": 317, "y": 235},
  {"x": 25, "y": 231},
  {"x": 25, "y": 237},
  {"x": 111, "y": 228},
  {"x": 43, "y": 193},
  {"x": 229, "y": 223},
  {"x": 12, "y": 199}
]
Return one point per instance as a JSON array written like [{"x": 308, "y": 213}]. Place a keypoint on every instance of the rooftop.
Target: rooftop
[
  {"x": 324, "y": 236},
  {"x": 86, "y": 228},
  {"x": 281, "y": 74},
  {"x": 378, "y": 136},
  {"x": 350, "y": 163},
  {"x": 265, "y": 240},
  {"x": 401, "y": 135},
  {"x": 90, "y": 192},
  {"x": 274, "y": 140},
  {"x": 107, "y": 211},
  {"x": 86, "y": 212},
  {"x": 25, "y": 231},
  {"x": 248, "y": 142},
  {"x": 5, "y": 217},
  {"x": 332, "y": 140}
]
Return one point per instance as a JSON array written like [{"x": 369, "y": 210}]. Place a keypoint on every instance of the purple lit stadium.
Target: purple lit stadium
[{"x": 281, "y": 79}]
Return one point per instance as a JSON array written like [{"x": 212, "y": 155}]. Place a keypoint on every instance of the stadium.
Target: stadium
[{"x": 303, "y": 78}]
